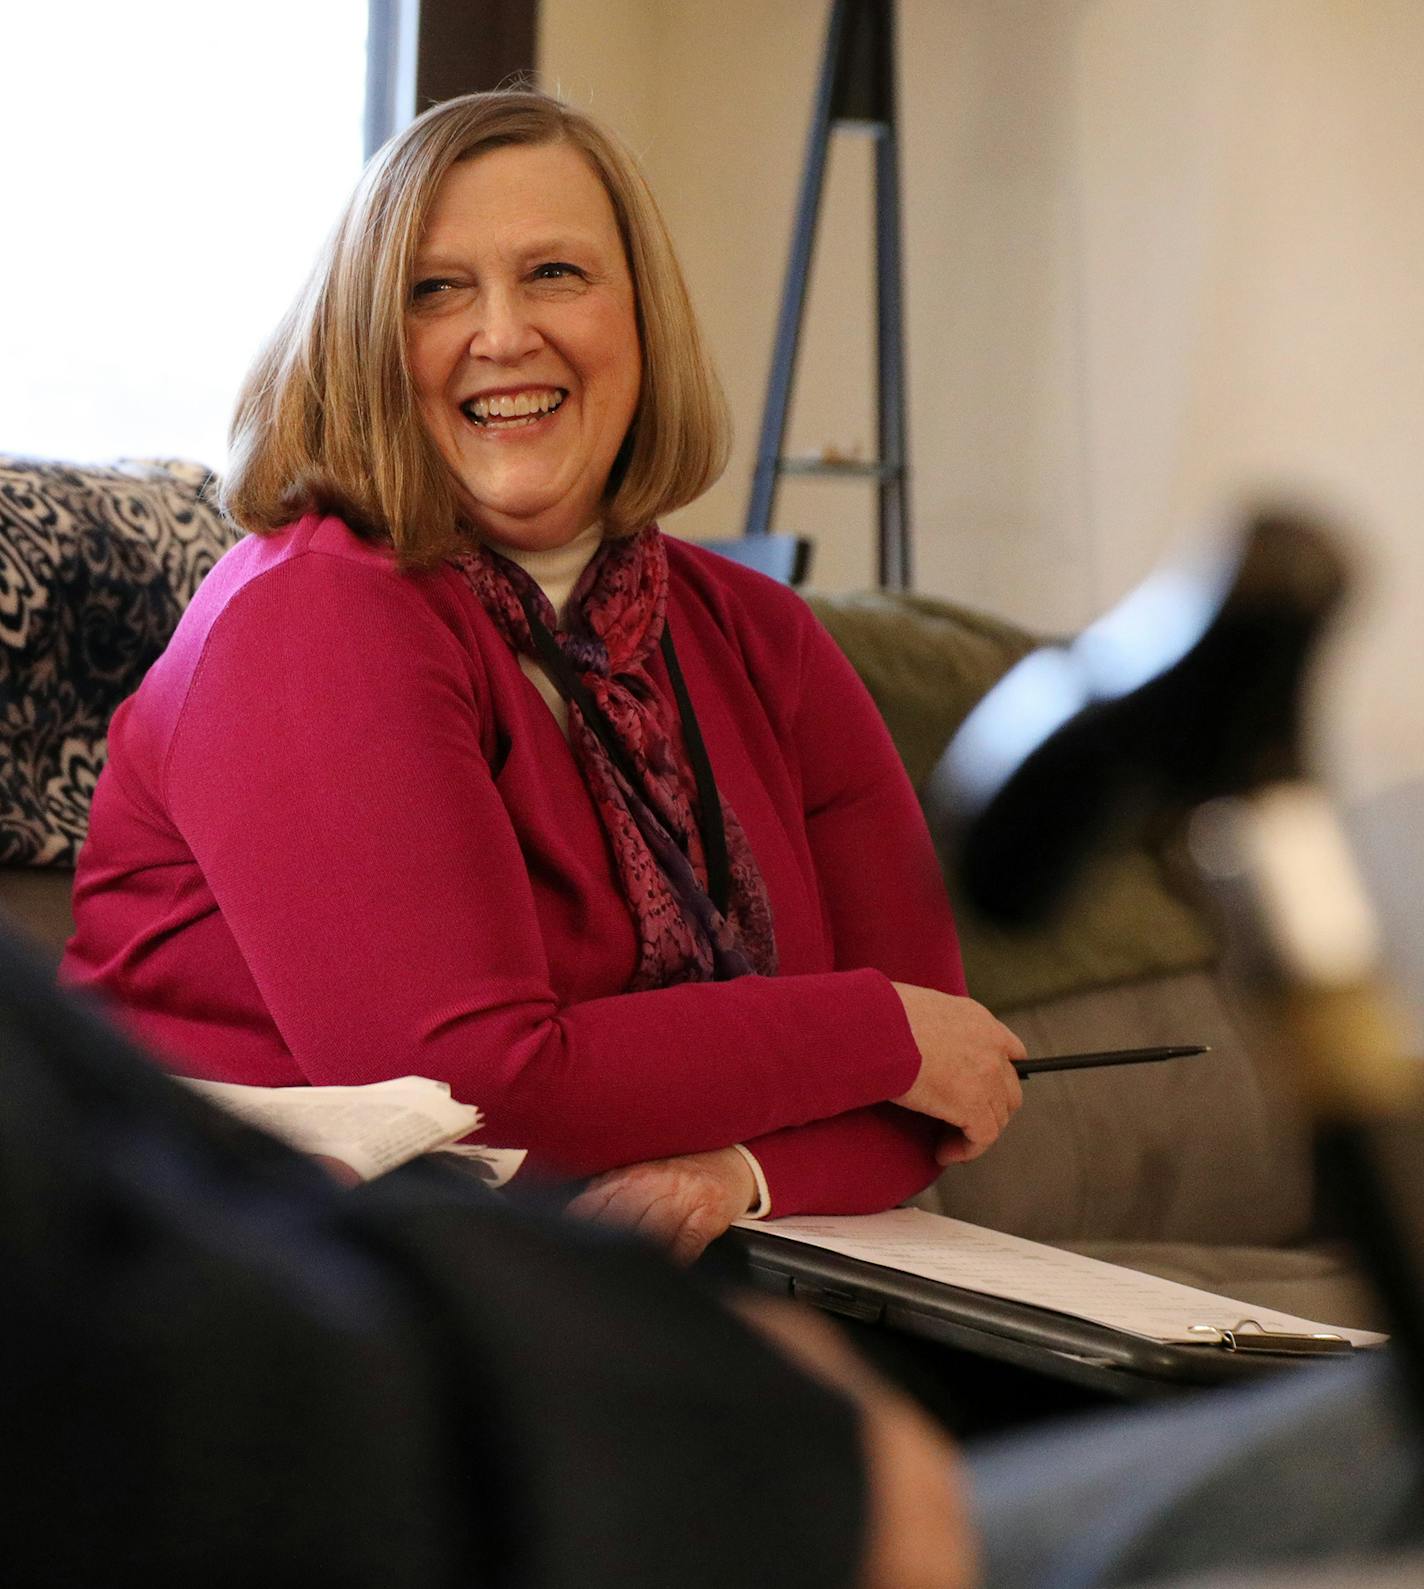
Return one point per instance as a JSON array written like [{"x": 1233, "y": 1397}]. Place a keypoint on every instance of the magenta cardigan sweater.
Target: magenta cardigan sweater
[{"x": 340, "y": 837}]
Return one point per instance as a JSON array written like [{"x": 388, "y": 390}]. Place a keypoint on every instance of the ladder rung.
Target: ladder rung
[{"x": 845, "y": 467}]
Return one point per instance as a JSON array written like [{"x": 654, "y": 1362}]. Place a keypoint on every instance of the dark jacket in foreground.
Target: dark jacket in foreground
[{"x": 220, "y": 1368}]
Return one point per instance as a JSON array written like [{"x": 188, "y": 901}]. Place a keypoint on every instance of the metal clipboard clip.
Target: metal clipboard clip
[{"x": 1249, "y": 1335}]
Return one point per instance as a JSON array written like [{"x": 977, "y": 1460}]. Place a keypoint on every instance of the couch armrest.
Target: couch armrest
[{"x": 98, "y": 563}]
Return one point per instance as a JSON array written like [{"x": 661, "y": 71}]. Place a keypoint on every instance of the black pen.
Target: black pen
[{"x": 1112, "y": 1056}]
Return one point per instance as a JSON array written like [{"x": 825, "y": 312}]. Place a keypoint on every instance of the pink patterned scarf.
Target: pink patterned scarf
[{"x": 617, "y": 615}]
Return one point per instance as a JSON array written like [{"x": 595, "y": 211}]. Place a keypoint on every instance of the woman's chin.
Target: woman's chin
[{"x": 532, "y": 532}]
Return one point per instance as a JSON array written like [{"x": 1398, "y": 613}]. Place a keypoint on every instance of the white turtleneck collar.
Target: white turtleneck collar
[{"x": 556, "y": 572}]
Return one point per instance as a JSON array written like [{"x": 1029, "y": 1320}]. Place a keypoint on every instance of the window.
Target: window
[{"x": 172, "y": 169}]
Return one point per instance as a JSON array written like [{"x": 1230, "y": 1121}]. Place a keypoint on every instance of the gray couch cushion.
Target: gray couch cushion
[{"x": 1194, "y": 1150}]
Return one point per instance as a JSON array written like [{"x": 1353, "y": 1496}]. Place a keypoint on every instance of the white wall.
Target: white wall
[
  {"x": 1157, "y": 255},
  {"x": 1252, "y": 312}
]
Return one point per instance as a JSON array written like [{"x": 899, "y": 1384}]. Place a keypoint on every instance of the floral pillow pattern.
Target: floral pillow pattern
[{"x": 96, "y": 565}]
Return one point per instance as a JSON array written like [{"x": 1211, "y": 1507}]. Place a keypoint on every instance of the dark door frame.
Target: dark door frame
[{"x": 422, "y": 51}]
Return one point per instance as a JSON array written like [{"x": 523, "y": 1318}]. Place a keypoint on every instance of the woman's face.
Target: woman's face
[{"x": 523, "y": 340}]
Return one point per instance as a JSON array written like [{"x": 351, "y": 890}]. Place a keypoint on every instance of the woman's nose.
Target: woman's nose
[{"x": 505, "y": 332}]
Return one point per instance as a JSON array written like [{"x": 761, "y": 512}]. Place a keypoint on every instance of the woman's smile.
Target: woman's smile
[
  {"x": 502, "y": 411},
  {"x": 523, "y": 340}
]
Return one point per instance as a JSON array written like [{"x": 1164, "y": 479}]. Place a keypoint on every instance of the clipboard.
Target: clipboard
[{"x": 1094, "y": 1357}]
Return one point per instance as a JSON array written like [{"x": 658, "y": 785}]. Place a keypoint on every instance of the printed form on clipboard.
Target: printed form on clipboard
[{"x": 923, "y": 1264}]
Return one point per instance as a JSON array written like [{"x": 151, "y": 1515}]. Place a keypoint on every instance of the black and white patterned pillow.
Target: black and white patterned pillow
[{"x": 96, "y": 565}]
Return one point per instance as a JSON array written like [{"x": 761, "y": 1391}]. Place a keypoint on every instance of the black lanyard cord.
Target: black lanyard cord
[
  {"x": 709, "y": 802},
  {"x": 709, "y": 817}
]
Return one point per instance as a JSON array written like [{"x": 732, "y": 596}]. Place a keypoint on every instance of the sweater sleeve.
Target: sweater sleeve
[
  {"x": 326, "y": 772},
  {"x": 886, "y": 905}
]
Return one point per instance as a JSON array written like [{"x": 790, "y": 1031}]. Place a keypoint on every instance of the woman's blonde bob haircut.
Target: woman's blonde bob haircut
[{"x": 328, "y": 416}]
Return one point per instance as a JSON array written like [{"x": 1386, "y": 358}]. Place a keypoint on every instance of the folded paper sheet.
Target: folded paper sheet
[{"x": 372, "y": 1128}]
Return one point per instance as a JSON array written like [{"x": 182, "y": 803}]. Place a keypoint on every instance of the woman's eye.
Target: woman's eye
[
  {"x": 431, "y": 287},
  {"x": 555, "y": 269}
]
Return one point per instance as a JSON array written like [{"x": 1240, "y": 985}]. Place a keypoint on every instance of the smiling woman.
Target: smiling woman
[
  {"x": 334, "y": 410},
  {"x": 457, "y": 767}
]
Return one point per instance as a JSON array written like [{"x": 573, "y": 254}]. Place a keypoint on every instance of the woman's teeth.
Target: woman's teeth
[{"x": 508, "y": 410}]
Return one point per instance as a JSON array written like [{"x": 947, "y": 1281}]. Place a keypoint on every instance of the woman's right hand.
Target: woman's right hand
[{"x": 966, "y": 1078}]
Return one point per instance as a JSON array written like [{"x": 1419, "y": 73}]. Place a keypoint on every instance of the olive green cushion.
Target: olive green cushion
[{"x": 926, "y": 663}]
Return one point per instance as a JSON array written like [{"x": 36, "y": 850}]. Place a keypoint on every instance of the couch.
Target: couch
[{"x": 1199, "y": 1170}]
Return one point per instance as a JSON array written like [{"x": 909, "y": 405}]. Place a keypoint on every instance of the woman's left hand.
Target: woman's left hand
[{"x": 681, "y": 1204}]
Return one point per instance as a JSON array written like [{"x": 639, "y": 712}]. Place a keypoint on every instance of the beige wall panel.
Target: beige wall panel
[
  {"x": 995, "y": 449},
  {"x": 736, "y": 86},
  {"x": 1157, "y": 254},
  {"x": 723, "y": 116},
  {"x": 1310, "y": 364},
  {"x": 603, "y": 55}
]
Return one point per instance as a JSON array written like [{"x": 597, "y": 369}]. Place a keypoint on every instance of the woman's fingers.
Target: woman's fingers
[
  {"x": 680, "y": 1204},
  {"x": 959, "y": 1144},
  {"x": 671, "y": 1219},
  {"x": 966, "y": 1078},
  {"x": 634, "y": 1197},
  {"x": 682, "y": 1218},
  {"x": 592, "y": 1203}
]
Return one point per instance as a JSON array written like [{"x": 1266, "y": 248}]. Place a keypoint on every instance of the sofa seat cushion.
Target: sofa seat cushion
[
  {"x": 96, "y": 565},
  {"x": 1200, "y": 1150}
]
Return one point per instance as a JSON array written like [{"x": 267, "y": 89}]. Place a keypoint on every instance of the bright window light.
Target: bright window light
[{"x": 171, "y": 171}]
